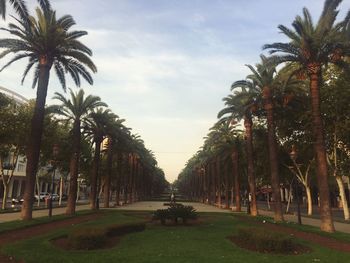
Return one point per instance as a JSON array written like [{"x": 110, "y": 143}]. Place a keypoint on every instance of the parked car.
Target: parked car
[
  {"x": 42, "y": 196},
  {"x": 55, "y": 197},
  {"x": 17, "y": 200}
]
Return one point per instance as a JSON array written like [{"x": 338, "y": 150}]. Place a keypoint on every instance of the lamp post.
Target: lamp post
[
  {"x": 293, "y": 155},
  {"x": 55, "y": 150}
]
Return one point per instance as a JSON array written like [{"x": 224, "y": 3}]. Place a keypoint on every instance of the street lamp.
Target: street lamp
[
  {"x": 55, "y": 150},
  {"x": 293, "y": 155}
]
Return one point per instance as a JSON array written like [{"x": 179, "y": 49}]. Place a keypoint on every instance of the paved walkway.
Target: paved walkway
[
  {"x": 341, "y": 227},
  {"x": 152, "y": 206},
  {"x": 6, "y": 217}
]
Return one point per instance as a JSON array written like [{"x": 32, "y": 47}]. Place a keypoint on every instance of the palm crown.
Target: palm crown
[
  {"x": 77, "y": 106},
  {"x": 313, "y": 45},
  {"x": 46, "y": 40}
]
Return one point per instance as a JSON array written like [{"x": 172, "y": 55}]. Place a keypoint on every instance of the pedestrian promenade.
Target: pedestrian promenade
[
  {"x": 154, "y": 205},
  {"x": 341, "y": 227},
  {"x": 6, "y": 217}
]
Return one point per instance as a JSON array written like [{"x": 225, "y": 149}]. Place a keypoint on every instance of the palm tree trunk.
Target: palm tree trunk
[
  {"x": 251, "y": 178},
  {"x": 321, "y": 158},
  {"x": 74, "y": 169},
  {"x": 107, "y": 186},
  {"x": 236, "y": 180},
  {"x": 275, "y": 182},
  {"x": 218, "y": 180},
  {"x": 34, "y": 142},
  {"x": 94, "y": 175},
  {"x": 226, "y": 186}
]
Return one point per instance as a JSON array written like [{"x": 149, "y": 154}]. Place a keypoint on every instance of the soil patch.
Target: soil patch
[
  {"x": 297, "y": 250},
  {"x": 328, "y": 242},
  {"x": 31, "y": 231}
]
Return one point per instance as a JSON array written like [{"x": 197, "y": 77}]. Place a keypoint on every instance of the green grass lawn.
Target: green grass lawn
[
  {"x": 205, "y": 242},
  {"x": 18, "y": 224}
]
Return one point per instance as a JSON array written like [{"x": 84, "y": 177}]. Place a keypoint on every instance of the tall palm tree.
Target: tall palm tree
[
  {"x": 75, "y": 110},
  {"x": 311, "y": 48},
  {"x": 97, "y": 128},
  {"x": 227, "y": 145},
  {"x": 263, "y": 77},
  {"x": 47, "y": 42},
  {"x": 240, "y": 105},
  {"x": 115, "y": 133}
]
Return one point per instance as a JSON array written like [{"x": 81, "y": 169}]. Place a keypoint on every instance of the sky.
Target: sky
[{"x": 165, "y": 65}]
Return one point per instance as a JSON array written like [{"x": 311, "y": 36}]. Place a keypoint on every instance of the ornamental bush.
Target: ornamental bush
[{"x": 174, "y": 212}]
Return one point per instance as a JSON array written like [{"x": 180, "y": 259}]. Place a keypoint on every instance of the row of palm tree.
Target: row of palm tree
[
  {"x": 89, "y": 117},
  {"x": 49, "y": 42},
  {"x": 311, "y": 50}
]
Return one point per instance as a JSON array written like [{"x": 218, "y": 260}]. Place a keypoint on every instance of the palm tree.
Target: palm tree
[
  {"x": 311, "y": 48},
  {"x": 75, "y": 110},
  {"x": 263, "y": 76},
  {"x": 47, "y": 42},
  {"x": 227, "y": 145},
  {"x": 115, "y": 132},
  {"x": 97, "y": 128},
  {"x": 240, "y": 105}
]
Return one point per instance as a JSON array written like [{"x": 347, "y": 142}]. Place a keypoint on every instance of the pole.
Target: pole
[
  {"x": 61, "y": 191},
  {"x": 50, "y": 197},
  {"x": 298, "y": 202}
]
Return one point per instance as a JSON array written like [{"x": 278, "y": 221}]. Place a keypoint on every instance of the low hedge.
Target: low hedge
[
  {"x": 95, "y": 238},
  {"x": 266, "y": 241}
]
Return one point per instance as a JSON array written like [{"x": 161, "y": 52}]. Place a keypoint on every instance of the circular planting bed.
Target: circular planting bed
[
  {"x": 96, "y": 238},
  {"x": 264, "y": 241}
]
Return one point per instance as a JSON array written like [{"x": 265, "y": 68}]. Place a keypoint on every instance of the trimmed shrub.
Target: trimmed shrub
[
  {"x": 162, "y": 215},
  {"x": 180, "y": 211},
  {"x": 87, "y": 238},
  {"x": 174, "y": 212},
  {"x": 265, "y": 240}
]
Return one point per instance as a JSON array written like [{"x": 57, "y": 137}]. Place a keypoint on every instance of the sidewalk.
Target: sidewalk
[
  {"x": 341, "y": 227},
  {"x": 6, "y": 217},
  {"x": 154, "y": 205}
]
